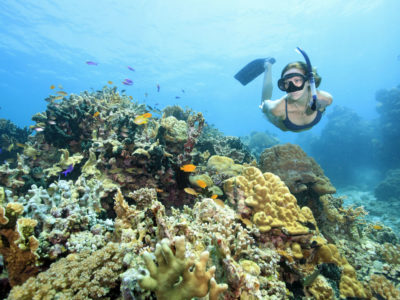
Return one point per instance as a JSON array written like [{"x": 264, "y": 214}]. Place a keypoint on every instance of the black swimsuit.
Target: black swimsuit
[{"x": 293, "y": 127}]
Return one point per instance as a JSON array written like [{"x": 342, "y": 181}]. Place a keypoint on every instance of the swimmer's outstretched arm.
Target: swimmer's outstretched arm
[{"x": 267, "y": 83}]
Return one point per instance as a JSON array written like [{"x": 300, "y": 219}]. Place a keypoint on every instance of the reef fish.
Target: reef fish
[
  {"x": 109, "y": 82},
  {"x": 377, "y": 227},
  {"x": 190, "y": 191},
  {"x": 52, "y": 87},
  {"x": 139, "y": 120},
  {"x": 96, "y": 114},
  {"x": 214, "y": 196},
  {"x": 92, "y": 63},
  {"x": 127, "y": 82},
  {"x": 188, "y": 168},
  {"x": 62, "y": 93},
  {"x": 158, "y": 88},
  {"x": 201, "y": 183},
  {"x": 130, "y": 68},
  {"x": 68, "y": 170}
]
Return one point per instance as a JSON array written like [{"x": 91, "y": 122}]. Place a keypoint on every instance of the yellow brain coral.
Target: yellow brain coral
[{"x": 272, "y": 204}]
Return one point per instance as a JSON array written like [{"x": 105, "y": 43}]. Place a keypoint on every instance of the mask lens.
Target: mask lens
[{"x": 292, "y": 82}]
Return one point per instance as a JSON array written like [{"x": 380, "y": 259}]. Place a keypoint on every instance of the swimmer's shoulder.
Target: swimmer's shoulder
[{"x": 276, "y": 107}]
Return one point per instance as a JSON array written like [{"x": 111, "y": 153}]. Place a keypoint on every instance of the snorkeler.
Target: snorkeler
[{"x": 302, "y": 106}]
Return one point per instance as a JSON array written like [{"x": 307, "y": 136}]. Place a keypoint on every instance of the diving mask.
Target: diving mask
[{"x": 292, "y": 82}]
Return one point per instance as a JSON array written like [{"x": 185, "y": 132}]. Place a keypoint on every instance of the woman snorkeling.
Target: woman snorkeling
[{"x": 302, "y": 106}]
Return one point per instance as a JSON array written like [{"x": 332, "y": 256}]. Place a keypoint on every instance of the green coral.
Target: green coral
[{"x": 173, "y": 277}]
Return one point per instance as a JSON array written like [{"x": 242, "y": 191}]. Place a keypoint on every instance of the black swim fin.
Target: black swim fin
[{"x": 252, "y": 70}]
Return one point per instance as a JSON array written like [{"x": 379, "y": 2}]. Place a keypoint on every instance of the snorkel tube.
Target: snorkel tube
[{"x": 310, "y": 75}]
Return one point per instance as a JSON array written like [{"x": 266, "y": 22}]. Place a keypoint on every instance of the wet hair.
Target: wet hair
[{"x": 302, "y": 66}]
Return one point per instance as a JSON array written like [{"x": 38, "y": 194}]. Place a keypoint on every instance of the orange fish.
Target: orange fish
[
  {"x": 159, "y": 190},
  {"x": 214, "y": 196},
  {"x": 146, "y": 115},
  {"x": 190, "y": 191},
  {"x": 201, "y": 183},
  {"x": 109, "y": 82},
  {"x": 52, "y": 87},
  {"x": 96, "y": 114},
  {"x": 377, "y": 227},
  {"x": 188, "y": 168}
]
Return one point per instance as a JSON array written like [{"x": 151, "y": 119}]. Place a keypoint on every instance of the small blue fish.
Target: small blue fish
[
  {"x": 132, "y": 69},
  {"x": 158, "y": 88},
  {"x": 177, "y": 97},
  {"x": 92, "y": 63},
  {"x": 68, "y": 170}
]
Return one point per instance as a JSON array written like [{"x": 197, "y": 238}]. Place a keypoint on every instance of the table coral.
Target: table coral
[
  {"x": 163, "y": 278},
  {"x": 299, "y": 171}
]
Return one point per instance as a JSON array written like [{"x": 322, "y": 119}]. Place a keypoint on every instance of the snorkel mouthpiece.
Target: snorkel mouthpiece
[{"x": 310, "y": 75}]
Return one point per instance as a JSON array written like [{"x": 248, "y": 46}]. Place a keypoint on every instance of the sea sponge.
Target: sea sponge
[
  {"x": 271, "y": 203},
  {"x": 164, "y": 278}
]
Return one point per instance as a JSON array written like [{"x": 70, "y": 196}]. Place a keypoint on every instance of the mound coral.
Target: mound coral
[{"x": 299, "y": 171}]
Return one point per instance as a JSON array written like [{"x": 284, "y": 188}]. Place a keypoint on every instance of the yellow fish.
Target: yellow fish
[
  {"x": 96, "y": 114},
  {"x": 201, "y": 183},
  {"x": 20, "y": 145},
  {"x": 109, "y": 82},
  {"x": 377, "y": 227},
  {"x": 219, "y": 202},
  {"x": 214, "y": 196},
  {"x": 62, "y": 93},
  {"x": 190, "y": 191},
  {"x": 52, "y": 87},
  {"x": 139, "y": 120},
  {"x": 188, "y": 168}
]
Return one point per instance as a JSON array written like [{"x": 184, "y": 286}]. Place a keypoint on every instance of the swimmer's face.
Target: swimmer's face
[{"x": 297, "y": 81}]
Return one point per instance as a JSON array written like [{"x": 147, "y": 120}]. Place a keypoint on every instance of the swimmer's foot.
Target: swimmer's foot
[{"x": 269, "y": 61}]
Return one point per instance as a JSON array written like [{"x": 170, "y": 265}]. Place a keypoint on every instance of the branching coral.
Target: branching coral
[{"x": 163, "y": 278}]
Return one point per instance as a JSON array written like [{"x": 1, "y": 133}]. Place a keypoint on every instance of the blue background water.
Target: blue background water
[{"x": 196, "y": 46}]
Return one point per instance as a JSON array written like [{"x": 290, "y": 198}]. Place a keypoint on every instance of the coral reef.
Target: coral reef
[{"x": 97, "y": 205}]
